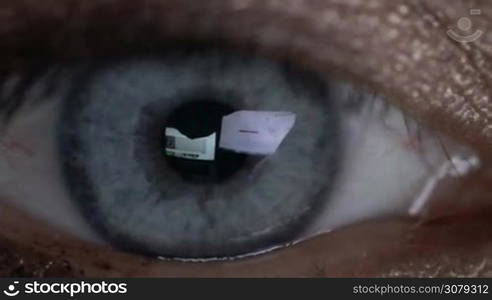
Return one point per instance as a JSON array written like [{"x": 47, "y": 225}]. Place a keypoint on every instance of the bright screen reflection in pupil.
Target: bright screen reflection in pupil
[{"x": 196, "y": 119}]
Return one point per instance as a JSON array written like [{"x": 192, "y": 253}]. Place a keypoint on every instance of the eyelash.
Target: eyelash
[
  {"x": 14, "y": 96},
  {"x": 125, "y": 42}
]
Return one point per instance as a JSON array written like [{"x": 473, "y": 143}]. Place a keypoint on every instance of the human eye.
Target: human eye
[{"x": 118, "y": 73}]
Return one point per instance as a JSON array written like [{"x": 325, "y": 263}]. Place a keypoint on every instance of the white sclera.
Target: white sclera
[
  {"x": 30, "y": 173},
  {"x": 385, "y": 168}
]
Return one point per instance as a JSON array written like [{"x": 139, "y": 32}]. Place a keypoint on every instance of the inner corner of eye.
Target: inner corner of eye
[{"x": 213, "y": 155}]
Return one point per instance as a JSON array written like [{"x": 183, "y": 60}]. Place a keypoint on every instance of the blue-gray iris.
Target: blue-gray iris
[{"x": 110, "y": 140}]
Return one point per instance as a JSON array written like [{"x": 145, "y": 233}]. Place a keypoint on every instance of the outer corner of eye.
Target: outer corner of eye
[{"x": 183, "y": 156}]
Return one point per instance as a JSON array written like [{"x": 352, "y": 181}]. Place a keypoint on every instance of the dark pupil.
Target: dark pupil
[{"x": 200, "y": 118}]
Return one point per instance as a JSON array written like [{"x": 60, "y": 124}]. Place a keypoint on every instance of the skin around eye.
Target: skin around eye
[{"x": 423, "y": 85}]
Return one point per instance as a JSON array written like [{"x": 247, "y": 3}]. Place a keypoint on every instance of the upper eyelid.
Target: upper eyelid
[{"x": 391, "y": 56}]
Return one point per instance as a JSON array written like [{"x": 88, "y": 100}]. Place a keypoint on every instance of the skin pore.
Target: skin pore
[{"x": 398, "y": 48}]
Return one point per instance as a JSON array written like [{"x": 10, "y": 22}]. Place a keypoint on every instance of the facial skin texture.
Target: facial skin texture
[{"x": 397, "y": 48}]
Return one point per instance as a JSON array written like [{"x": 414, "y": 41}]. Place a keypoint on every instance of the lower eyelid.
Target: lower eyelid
[{"x": 42, "y": 256}]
